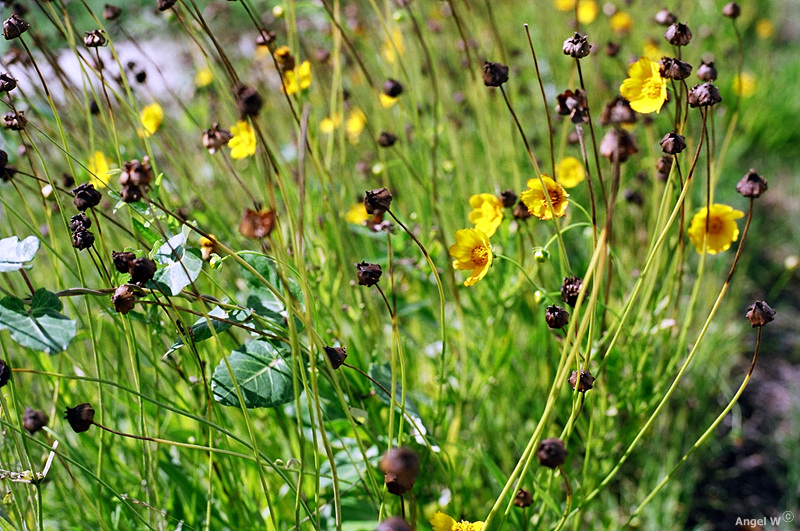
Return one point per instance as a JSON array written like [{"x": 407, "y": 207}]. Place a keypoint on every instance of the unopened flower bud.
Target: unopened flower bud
[
  {"x": 524, "y": 498},
  {"x": 82, "y": 239},
  {"x": 248, "y": 100},
  {"x": 618, "y": 142},
  {"x": 395, "y": 523},
  {"x": 752, "y": 184},
  {"x": 673, "y": 143},
  {"x": 123, "y": 299},
  {"x": 163, "y": 5},
  {"x": 368, "y": 274},
  {"x": 665, "y": 18},
  {"x": 34, "y": 420},
  {"x": 584, "y": 383},
  {"x": 377, "y": 201},
  {"x": 552, "y": 452},
  {"x": 672, "y": 68},
  {"x": 387, "y": 139},
  {"x": 336, "y": 355},
  {"x": 215, "y": 138},
  {"x": 494, "y": 74},
  {"x": 141, "y": 270},
  {"x": 678, "y": 34},
  {"x": 15, "y": 121},
  {"x": 704, "y": 95},
  {"x": 85, "y": 197},
  {"x": 392, "y": 88},
  {"x": 570, "y": 289},
  {"x": 759, "y": 314},
  {"x": 706, "y": 71},
  {"x": 5, "y": 373},
  {"x": 541, "y": 255},
  {"x": 111, "y": 12},
  {"x": 508, "y": 198},
  {"x": 80, "y": 417},
  {"x": 732, "y": 10},
  {"x": 7, "y": 83},
  {"x": 122, "y": 260},
  {"x": 556, "y": 316},
  {"x": 577, "y": 46},
  {"x": 94, "y": 39},
  {"x": 14, "y": 26},
  {"x": 401, "y": 466}
]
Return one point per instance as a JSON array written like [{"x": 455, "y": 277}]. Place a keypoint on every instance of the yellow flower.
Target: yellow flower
[
  {"x": 471, "y": 251},
  {"x": 570, "y": 172},
  {"x": 203, "y": 78},
  {"x": 387, "y": 101},
  {"x": 536, "y": 201},
  {"x": 722, "y": 229},
  {"x": 388, "y": 51},
  {"x": 357, "y": 214},
  {"x": 442, "y": 522},
  {"x": 644, "y": 88},
  {"x": 565, "y": 5},
  {"x": 297, "y": 79},
  {"x": 243, "y": 143},
  {"x": 765, "y": 28},
  {"x": 652, "y": 48},
  {"x": 621, "y": 23},
  {"x": 587, "y": 9},
  {"x": 327, "y": 125},
  {"x": 98, "y": 169},
  {"x": 151, "y": 117},
  {"x": 355, "y": 124},
  {"x": 744, "y": 85},
  {"x": 487, "y": 214}
]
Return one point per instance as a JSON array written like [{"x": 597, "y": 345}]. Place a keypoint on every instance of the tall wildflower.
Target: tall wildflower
[{"x": 644, "y": 88}]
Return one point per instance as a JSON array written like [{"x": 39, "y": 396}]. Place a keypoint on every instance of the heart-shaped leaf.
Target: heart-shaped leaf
[
  {"x": 200, "y": 330},
  {"x": 263, "y": 375},
  {"x": 42, "y": 327},
  {"x": 14, "y": 253}
]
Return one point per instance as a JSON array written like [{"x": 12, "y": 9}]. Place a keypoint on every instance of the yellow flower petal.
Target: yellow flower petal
[
  {"x": 722, "y": 228},
  {"x": 587, "y": 11},
  {"x": 243, "y": 143},
  {"x": 472, "y": 251},
  {"x": 764, "y": 28},
  {"x": 357, "y": 214},
  {"x": 442, "y": 522},
  {"x": 388, "y": 50},
  {"x": 203, "y": 78},
  {"x": 487, "y": 213},
  {"x": 534, "y": 198},
  {"x": 356, "y": 121},
  {"x": 621, "y": 23},
  {"x": 570, "y": 172},
  {"x": 645, "y": 89},
  {"x": 151, "y": 117},
  {"x": 387, "y": 101},
  {"x": 744, "y": 85},
  {"x": 98, "y": 169}
]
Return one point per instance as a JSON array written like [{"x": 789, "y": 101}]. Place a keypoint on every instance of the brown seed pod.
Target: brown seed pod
[
  {"x": 80, "y": 417},
  {"x": 552, "y": 452}
]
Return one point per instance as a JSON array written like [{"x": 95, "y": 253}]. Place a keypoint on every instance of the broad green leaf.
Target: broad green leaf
[
  {"x": 263, "y": 375},
  {"x": 183, "y": 265},
  {"x": 14, "y": 253},
  {"x": 145, "y": 232},
  {"x": 266, "y": 268},
  {"x": 42, "y": 327},
  {"x": 200, "y": 330}
]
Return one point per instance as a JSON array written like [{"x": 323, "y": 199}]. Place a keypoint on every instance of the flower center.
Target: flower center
[
  {"x": 652, "y": 88},
  {"x": 714, "y": 226},
  {"x": 480, "y": 255}
]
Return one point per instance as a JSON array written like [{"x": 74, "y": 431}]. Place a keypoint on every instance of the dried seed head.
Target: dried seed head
[
  {"x": 584, "y": 383},
  {"x": 570, "y": 289},
  {"x": 257, "y": 224},
  {"x": 368, "y": 274},
  {"x": 94, "y": 39},
  {"x": 556, "y": 316},
  {"x": 85, "y": 197},
  {"x": 392, "y": 88},
  {"x": 3, "y": 159},
  {"x": 577, "y": 46},
  {"x": 123, "y": 299},
  {"x": 248, "y": 100},
  {"x": 377, "y": 201},
  {"x": 732, "y": 10},
  {"x": 336, "y": 355},
  {"x": 79, "y": 222},
  {"x": 265, "y": 38},
  {"x": 573, "y": 104},
  {"x": 14, "y": 26},
  {"x": 678, "y": 34},
  {"x": 494, "y": 74},
  {"x": 387, "y": 139},
  {"x": 131, "y": 193},
  {"x": 673, "y": 143},
  {"x": 752, "y": 184},
  {"x": 5, "y": 373},
  {"x": 215, "y": 138},
  {"x": 620, "y": 143},
  {"x": 552, "y": 452},
  {"x": 122, "y": 261},
  {"x": 34, "y": 420},
  {"x": 395, "y": 523},
  {"x": 524, "y": 498},
  {"x": 82, "y": 239},
  {"x": 401, "y": 466},
  {"x": 665, "y": 18},
  {"x": 706, "y": 71},
  {"x": 759, "y": 314},
  {"x": 80, "y": 417},
  {"x": 521, "y": 211},
  {"x": 633, "y": 196},
  {"x": 111, "y": 12},
  {"x": 163, "y": 5},
  {"x": 617, "y": 111},
  {"x": 7, "y": 82},
  {"x": 136, "y": 173},
  {"x": 612, "y": 48},
  {"x": 508, "y": 198},
  {"x": 285, "y": 59},
  {"x": 663, "y": 167},
  {"x": 672, "y": 68},
  {"x": 15, "y": 120},
  {"x": 705, "y": 95},
  {"x": 141, "y": 270}
]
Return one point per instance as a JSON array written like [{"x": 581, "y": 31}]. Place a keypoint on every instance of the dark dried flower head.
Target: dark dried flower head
[
  {"x": 85, "y": 197},
  {"x": 573, "y": 104},
  {"x": 377, "y": 201},
  {"x": 521, "y": 211},
  {"x": 759, "y": 314},
  {"x": 673, "y": 143},
  {"x": 494, "y": 74},
  {"x": 336, "y": 355},
  {"x": 111, "y": 12},
  {"x": 665, "y": 18},
  {"x": 633, "y": 196},
  {"x": 5, "y": 373},
  {"x": 82, "y": 239},
  {"x": 672, "y": 68},
  {"x": 395, "y": 523},
  {"x": 678, "y": 34},
  {"x": 752, "y": 184},
  {"x": 136, "y": 173},
  {"x": 704, "y": 95},
  {"x": 79, "y": 222},
  {"x": 265, "y": 38},
  {"x": 556, "y": 316},
  {"x": 34, "y": 420},
  {"x": 215, "y": 138},
  {"x": 612, "y": 49},
  {"x": 524, "y": 498},
  {"x": 15, "y": 121},
  {"x": 552, "y": 452},
  {"x": 584, "y": 383},
  {"x": 392, "y": 88},
  {"x": 401, "y": 466},
  {"x": 706, "y": 71},
  {"x": 368, "y": 274},
  {"x": 508, "y": 198},
  {"x": 570, "y": 289},
  {"x": 617, "y": 111},
  {"x": 387, "y": 139},
  {"x": 141, "y": 270},
  {"x": 123, "y": 299},
  {"x": 163, "y": 5},
  {"x": 131, "y": 193},
  {"x": 67, "y": 180},
  {"x": 7, "y": 82},
  {"x": 14, "y": 26},
  {"x": 94, "y": 39},
  {"x": 618, "y": 142},
  {"x": 285, "y": 59},
  {"x": 248, "y": 100},
  {"x": 732, "y": 10},
  {"x": 663, "y": 167},
  {"x": 257, "y": 224},
  {"x": 80, "y": 417},
  {"x": 3, "y": 159},
  {"x": 122, "y": 261},
  {"x": 577, "y": 46}
]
